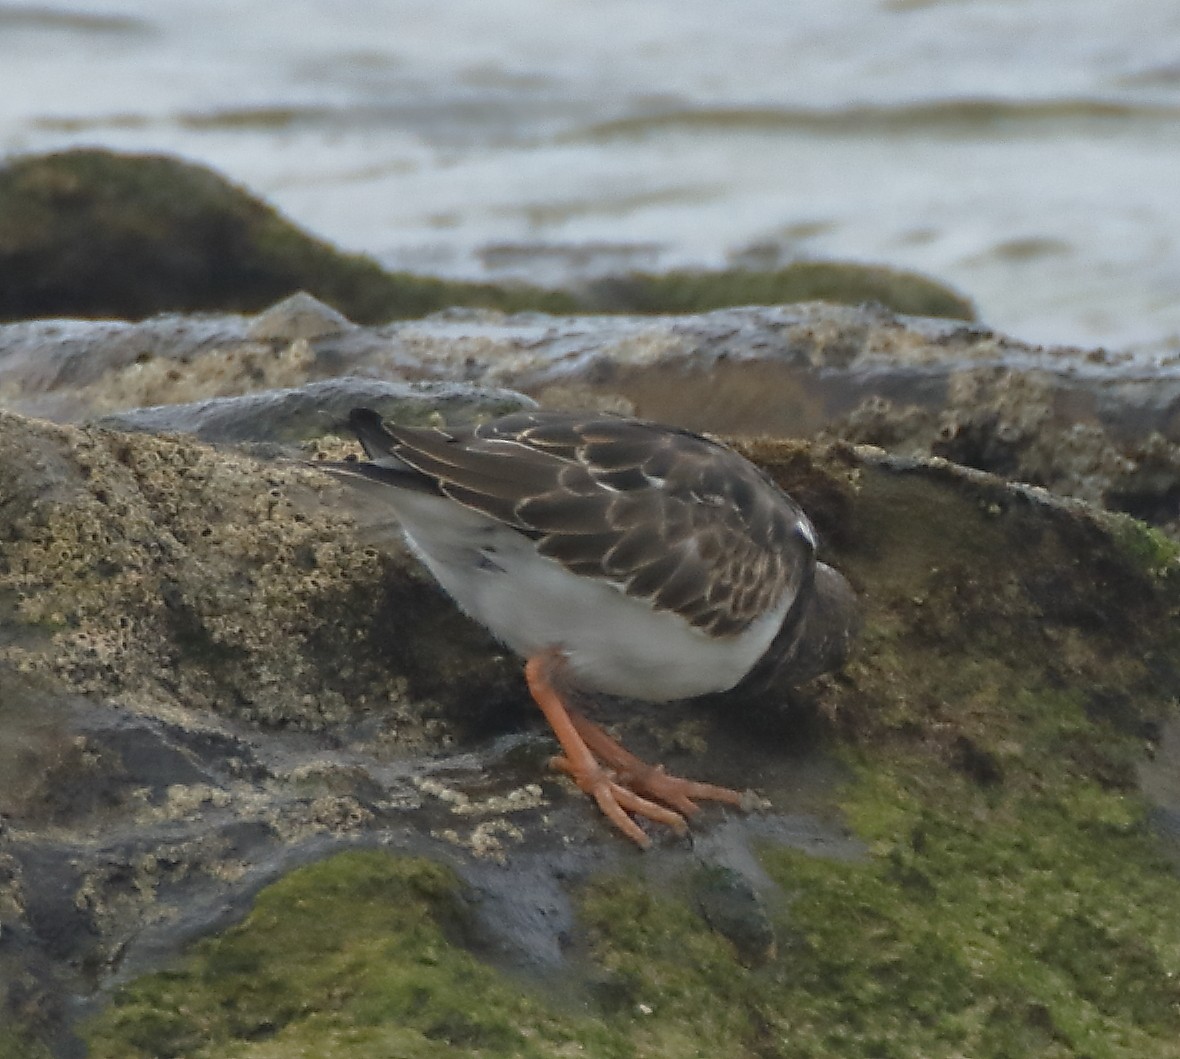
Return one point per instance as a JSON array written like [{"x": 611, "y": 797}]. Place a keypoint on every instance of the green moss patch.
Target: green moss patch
[
  {"x": 351, "y": 956},
  {"x": 687, "y": 291},
  {"x": 1153, "y": 551},
  {"x": 14, "y": 1045},
  {"x": 1023, "y": 910},
  {"x": 1018, "y": 662},
  {"x": 1034, "y": 917},
  {"x": 96, "y": 233}
]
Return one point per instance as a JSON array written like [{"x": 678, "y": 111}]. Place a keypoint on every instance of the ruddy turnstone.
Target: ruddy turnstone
[{"x": 619, "y": 556}]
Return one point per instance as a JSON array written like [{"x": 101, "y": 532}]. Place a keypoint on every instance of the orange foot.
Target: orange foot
[{"x": 629, "y": 784}]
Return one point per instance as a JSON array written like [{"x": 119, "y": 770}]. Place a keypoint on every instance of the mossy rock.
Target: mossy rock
[
  {"x": 844, "y": 283},
  {"x": 380, "y": 935},
  {"x": 1020, "y": 656},
  {"x": 93, "y": 233},
  {"x": 17, "y": 1045}
]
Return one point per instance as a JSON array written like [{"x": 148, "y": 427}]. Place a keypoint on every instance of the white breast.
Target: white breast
[{"x": 615, "y": 644}]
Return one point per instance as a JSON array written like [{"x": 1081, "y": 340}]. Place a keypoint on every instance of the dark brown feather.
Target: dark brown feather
[{"x": 666, "y": 515}]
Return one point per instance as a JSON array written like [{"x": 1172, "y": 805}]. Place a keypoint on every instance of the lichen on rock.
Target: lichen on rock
[{"x": 958, "y": 858}]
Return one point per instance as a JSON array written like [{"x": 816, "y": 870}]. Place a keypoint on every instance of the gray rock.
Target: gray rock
[
  {"x": 209, "y": 677},
  {"x": 299, "y": 316},
  {"x": 1094, "y": 424},
  {"x": 317, "y": 408}
]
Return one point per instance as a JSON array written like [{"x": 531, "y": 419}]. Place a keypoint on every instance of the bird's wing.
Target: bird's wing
[{"x": 664, "y": 514}]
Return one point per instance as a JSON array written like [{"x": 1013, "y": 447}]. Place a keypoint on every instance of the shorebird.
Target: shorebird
[{"x": 616, "y": 556}]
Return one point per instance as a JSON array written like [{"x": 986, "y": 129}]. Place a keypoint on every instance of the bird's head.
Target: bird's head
[
  {"x": 816, "y": 636},
  {"x": 831, "y": 622}
]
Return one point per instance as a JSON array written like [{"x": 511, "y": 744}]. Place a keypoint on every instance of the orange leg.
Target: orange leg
[
  {"x": 650, "y": 780},
  {"x": 617, "y": 791}
]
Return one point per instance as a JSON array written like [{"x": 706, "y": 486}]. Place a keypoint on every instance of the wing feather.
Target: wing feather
[{"x": 664, "y": 514}]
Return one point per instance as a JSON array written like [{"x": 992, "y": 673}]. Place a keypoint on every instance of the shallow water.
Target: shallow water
[{"x": 1026, "y": 151}]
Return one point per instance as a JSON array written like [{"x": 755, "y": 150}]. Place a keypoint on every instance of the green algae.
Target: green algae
[
  {"x": 843, "y": 283},
  {"x": 1038, "y": 917},
  {"x": 1014, "y": 900},
  {"x": 1150, "y": 549},
  {"x": 1032, "y": 914},
  {"x": 1018, "y": 660},
  {"x": 16, "y": 1045},
  {"x": 356, "y": 956},
  {"x": 95, "y": 233}
]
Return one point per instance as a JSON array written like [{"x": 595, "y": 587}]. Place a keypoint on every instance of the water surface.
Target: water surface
[{"x": 1027, "y": 151}]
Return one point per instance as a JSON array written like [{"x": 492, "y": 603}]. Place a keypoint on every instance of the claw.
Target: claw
[{"x": 630, "y": 785}]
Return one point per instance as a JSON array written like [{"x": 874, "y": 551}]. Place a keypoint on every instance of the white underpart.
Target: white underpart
[{"x": 615, "y": 644}]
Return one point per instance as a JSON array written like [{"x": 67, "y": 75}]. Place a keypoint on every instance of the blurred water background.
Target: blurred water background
[{"x": 1026, "y": 151}]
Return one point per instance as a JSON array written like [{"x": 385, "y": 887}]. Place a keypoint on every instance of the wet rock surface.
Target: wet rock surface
[
  {"x": 219, "y": 671},
  {"x": 197, "y": 760},
  {"x": 303, "y": 412},
  {"x": 1097, "y": 425}
]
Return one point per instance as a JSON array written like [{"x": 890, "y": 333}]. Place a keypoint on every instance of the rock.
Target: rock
[
  {"x": 299, "y": 316},
  {"x": 96, "y": 233},
  {"x": 155, "y": 567},
  {"x": 318, "y": 408},
  {"x": 1100, "y": 426},
  {"x": 212, "y": 678},
  {"x": 800, "y": 281},
  {"x": 53, "y": 366},
  {"x": 1028, "y": 426},
  {"x": 732, "y": 907}
]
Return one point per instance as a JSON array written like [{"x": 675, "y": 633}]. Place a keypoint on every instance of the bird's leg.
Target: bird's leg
[
  {"x": 631, "y": 784},
  {"x": 650, "y": 780},
  {"x": 543, "y": 672}
]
